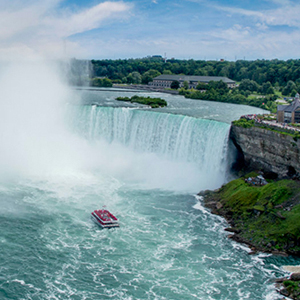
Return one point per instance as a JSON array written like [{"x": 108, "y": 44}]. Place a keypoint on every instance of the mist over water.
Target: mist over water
[
  {"x": 157, "y": 150},
  {"x": 34, "y": 137},
  {"x": 60, "y": 160},
  {"x": 151, "y": 149}
]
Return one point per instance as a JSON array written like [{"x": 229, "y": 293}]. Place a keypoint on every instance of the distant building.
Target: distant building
[
  {"x": 165, "y": 81},
  {"x": 289, "y": 113}
]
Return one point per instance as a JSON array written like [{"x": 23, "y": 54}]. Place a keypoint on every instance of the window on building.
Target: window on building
[
  {"x": 287, "y": 117},
  {"x": 297, "y": 116}
]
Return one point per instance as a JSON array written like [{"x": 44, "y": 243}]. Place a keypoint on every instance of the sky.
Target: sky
[{"x": 182, "y": 29}]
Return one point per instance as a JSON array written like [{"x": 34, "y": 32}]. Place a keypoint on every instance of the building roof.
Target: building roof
[
  {"x": 194, "y": 78},
  {"x": 281, "y": 107},
  {"x": 292, "y": 107}
]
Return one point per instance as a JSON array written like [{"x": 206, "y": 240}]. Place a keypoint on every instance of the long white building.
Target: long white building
[{"x": 165, "y": 81}]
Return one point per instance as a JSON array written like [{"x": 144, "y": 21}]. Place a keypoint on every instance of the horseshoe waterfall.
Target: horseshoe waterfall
[{"x": 67, "y": 152}]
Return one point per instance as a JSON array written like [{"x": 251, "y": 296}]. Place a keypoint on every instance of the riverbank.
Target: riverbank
[
  {"x": 263, "y": 215},
  {"x": 145, "y": 87}
]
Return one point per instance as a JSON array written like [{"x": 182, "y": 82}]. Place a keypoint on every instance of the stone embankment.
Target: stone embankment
[{"x": 145, "y": 88}]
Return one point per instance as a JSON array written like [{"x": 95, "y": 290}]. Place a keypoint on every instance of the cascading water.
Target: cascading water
[
  {"x": 198, "y": 147},
  {"x": 144, "y": 166}
]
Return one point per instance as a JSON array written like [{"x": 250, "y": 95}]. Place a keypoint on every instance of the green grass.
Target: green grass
[
  {"x": 293, "y": 287},
  {"x": 278, "y": 93},
  {"x": 264, "y": 214},
  {"x": 242, "y": 122}
]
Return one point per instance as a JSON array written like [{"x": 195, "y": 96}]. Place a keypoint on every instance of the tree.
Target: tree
[
  {"x": 167, "y": 72},
  {"x": 267, "y": 88},
  {"x": 289, "y": 88},
  {"x": 137, "y": 78},
  {"x": 149, "y": 75},
  {"x": 293, "y": 93},
  {"x": 201, "y": 86},
  {"x": 175, "y": 84},
  {"x": 101, "y": 82},
  {"x": 185, "y": 85},
  {"x": 129, "y": 78},
  {"x": 248, "y": 85}
]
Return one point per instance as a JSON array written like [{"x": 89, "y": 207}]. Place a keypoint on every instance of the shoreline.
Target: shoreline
[
  {"x": 138, "y": 88},
  {"x": 211, "y": 200},
  {"x": 145, "y": 87},
  {"x": 288, "y": 286}
]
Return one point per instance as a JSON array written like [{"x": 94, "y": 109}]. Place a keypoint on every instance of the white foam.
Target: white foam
[{"x": 199, "y": 205}]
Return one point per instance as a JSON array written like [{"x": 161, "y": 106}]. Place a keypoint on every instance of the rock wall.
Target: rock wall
[{"x": 269, "y": 151}]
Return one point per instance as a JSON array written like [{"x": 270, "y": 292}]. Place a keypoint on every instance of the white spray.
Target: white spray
[
  {"x": 33, "y": 136},
  {"x": 35, "y": 141}
]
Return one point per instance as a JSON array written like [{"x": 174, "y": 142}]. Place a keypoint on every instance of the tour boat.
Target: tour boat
[{"x": 104, "y": 218}]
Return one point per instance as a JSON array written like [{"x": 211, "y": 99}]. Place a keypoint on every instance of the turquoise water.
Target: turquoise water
[
  {"x": 146, "y": 167},
  {"x": 165, "y": 247}
]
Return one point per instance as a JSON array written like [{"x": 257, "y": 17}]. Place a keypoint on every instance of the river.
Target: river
[{"x": 68, "y": 152}]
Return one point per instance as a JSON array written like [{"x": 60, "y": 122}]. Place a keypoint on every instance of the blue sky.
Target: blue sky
[{"x": 198, "y": 29}]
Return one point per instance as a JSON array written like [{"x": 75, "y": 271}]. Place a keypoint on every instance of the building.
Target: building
[
  {"x": 165, "y": 81},
  {"x": 289, "y": 113}
]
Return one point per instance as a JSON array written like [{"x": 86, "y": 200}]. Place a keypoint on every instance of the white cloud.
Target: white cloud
[
  {"x": 16, "y": 18},
  {"x": 235, "y": 42},
  {"x": 286, "y": 14},
  {"x": 40, "y": 26},
  {"x": 88, "y": 19}
]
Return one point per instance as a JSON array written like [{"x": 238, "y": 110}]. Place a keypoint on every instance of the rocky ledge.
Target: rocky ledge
[
  {"x": 289, "y": 287},
  {"x": 267, "y": 150}
]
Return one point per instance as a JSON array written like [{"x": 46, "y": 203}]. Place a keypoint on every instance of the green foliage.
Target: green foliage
[
  {"x": 264, "y": 214},
  {"x": 167, "y": 72},
  {"x": 293, "y": 288},
  {"x": 277, "y": 72},
  {"x": 261, "y": 76},
  {"x": 175, "y": 84},
  {"x": 290, "y": 283},
  {"x": 149, "y": 75},
  {"x": 218, "y": 91},
  {"x": 153, "y": 102},
  {"x": 185, "y": 85},
  {"x": 248, "y": 85},
  {"x": 242, "y": 122},
  {"x": 267, "y": 88},
  {"x": 134, "y": 77},
  {"x": 296, "y": 136},
  {"x": 289, "y": 88},
  {"x": 101, "y": 82},
  {"x": 201, "y": 86}
]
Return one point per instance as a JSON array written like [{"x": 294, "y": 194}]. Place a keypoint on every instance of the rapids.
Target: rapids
[{"x": 65, "y": 153}]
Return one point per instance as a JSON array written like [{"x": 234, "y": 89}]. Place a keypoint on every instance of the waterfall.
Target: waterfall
[{"x": 176, "y": 138}]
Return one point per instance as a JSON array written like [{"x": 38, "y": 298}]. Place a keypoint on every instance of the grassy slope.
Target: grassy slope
[{"x": 268, "y": 216}]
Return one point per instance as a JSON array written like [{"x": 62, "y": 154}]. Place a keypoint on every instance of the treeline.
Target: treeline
[{"x": 278, "y": 73}]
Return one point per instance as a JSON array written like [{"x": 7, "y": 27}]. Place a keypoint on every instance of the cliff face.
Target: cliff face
[{"x": 266, "y": 150}]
